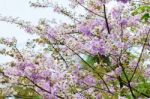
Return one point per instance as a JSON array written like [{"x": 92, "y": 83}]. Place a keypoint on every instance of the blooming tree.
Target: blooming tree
[{"x": 93, "y": 57}]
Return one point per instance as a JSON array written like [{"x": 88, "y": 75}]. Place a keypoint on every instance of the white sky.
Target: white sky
[{"x": 21, "y": 9}]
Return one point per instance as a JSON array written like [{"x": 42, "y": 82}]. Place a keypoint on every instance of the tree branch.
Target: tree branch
[{"x": 140, "y": 55}]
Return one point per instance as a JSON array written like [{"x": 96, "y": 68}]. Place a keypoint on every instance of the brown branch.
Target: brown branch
[
  {"x": 106, "y": 20},
  {"x": 94, "y": 87},
  {"x": 59, "y": 55},
  {"x": 128, "y": 82},
  {"x": 140, "y": 55},
  {"x": 88, "y": 9},
  {"x": 34, "y": 82},
  {"x": 87, "y": 64},
  {"x": 148, "y": 96},
  {"x": 43, "y": 88}
]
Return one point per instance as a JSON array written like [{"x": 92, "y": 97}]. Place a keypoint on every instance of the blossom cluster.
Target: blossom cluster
[{"x": 93, "y": 58}]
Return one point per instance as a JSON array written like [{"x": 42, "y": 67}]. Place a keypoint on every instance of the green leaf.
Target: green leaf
[
  {"x": 143, "y": 87},
  {"x": 90, "y": 60},
  {"x": 25, "y": 92},
  {"x": 145, "y": 17},
  {"x": 141, "y": 9},
  {"x": 37, "y": 97}
]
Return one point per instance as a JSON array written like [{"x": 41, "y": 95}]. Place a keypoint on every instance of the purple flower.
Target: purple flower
[
  {"x": 25, "y": 64},
  {"x": 89, "y": 80},
  {"x": 29, "y": 29},
  {"x": 123, "y": 1},
  {"x": 79, "y": 96},
  {"x": 81, "y": 1},
  {"x": 147, "y": 71},
  {"x": 55, "y": 89},
  {"x": 85, "y": 29},
  {"x": 101, "y": 51},
  {"x": 57, "y": 9},
  {"x": 46, "y": 85},
  {"x": 98, "y": 46},
  {"x": 96, "y": 22},
  {"x": 51, "y": 33},
  {"x": 124, "y": 22},
  {"x": 116, "y": 13},
  {"x": 45, "y": 73},
  {"x": 118, "y": 71},
  {"x": 98, "y": 96},
  {"x": 34, "y": 76}
]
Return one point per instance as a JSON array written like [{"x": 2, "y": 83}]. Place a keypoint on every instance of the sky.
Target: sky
[{"x": 22, "y": 9}]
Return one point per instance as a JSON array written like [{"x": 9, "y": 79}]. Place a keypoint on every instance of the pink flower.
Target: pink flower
[
  {"x": 85, "y": 29},
  {"x": 29, "y": 29},
  {"x": 123, "y": 1},
  {"x": 79, "y": 96},
  {"x": 147, "y": 71},
  {"x": 89, "y": 80},
  {"x": 57, "y": 9},
  {"x": 81, "y": 1},
  {"x": 118, "y": 71},
  {"x": 98, "y": 96}
]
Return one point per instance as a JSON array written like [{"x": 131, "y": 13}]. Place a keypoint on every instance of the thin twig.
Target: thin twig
[
  {"x": 43, "y": 88},
  {"x": 88, "y": 65},
  {"x": 128, "y": 82},
  {"x": 88, "y": 9},
  {"x": 106, "y": 20},
  {"x": 60, "y": 55},
  {"x": 139, "y": 59}
]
